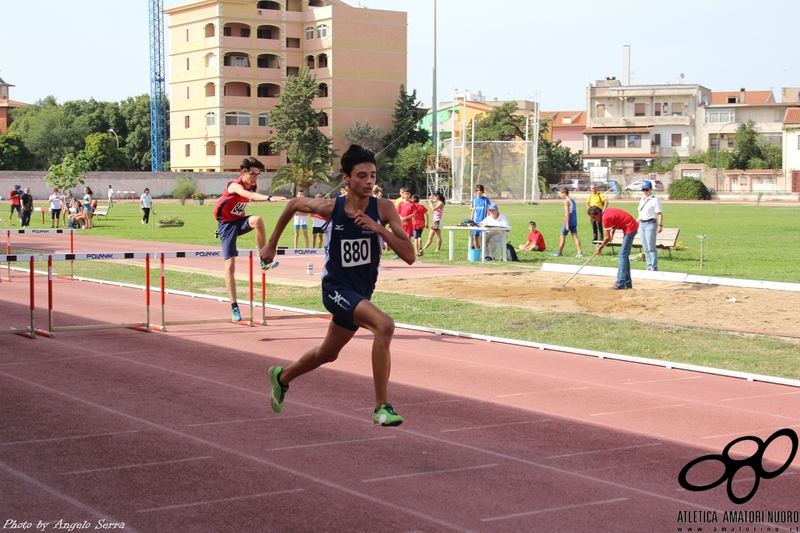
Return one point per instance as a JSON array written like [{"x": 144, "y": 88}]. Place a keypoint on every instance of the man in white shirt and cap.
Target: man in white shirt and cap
[
  {"x": 650, "y": 224},
  {"x": 494, "y": 220}
]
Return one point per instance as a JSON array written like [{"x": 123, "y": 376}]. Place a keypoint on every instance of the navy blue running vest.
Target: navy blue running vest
[{"x": 352, "y": 254}]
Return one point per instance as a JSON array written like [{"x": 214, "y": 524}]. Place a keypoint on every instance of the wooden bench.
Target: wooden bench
[
  {"x": 100, "y": 211},
  {"x": 665, "y": 240}
]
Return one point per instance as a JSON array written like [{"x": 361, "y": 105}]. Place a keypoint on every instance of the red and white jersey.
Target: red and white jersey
[{"x": 231, "y": 207}]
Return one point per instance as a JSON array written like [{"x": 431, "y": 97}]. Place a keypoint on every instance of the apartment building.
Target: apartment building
[
  {"x": 229, "y": 61},
  {"x": 632, "y": 126},
  {"x": 791, "y": 149},
  {"x": 567, "y": 127},
  {"x": 6, "y": 106}
]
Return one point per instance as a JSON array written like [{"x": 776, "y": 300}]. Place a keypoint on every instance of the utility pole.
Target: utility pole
[{"x": 158, "y": 93}]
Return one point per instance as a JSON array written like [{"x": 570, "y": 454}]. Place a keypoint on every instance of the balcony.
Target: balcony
[
  {"x": 236, "y": 42},
  {"x": 237, "y": 72},
  {"x": 321, "y": 103},
  {"x": 237, "y": 102},
  {"x": 268, "y": 44},
  {"x": 269, "y": 73},
  {"x": 639, "y": 122},
  {"x": 237, "y": 131},
  {"x": 271, "y": 14},
  {"x": 266, "y": 102}
]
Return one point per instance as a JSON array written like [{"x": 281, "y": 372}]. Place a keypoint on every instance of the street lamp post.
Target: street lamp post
[
  {"x": 111, "y": 130},
  {"x": 716, "y": 167}
]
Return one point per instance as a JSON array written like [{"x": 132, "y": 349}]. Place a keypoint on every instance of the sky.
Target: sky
[{"x": 508, "y": 49}]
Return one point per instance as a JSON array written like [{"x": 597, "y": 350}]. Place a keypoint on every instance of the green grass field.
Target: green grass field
[{"x": 743, "y": 241}]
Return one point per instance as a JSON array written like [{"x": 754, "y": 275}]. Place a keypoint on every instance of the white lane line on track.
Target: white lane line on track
[
  {"x": 140, "y": 465},
  {"x": 638, "y": 410},
  {"x": 751, "y": 432},
  {"x": 660, "y": 380},
  {"x": 553, "y": 509},
  {"x": 761, "y": 396},
  {"x": 604, "y": 450},
  {"x": 75, "y": 437},
  {"x": 223, "y": 500},
  {"x": 409, "y": 404},
  {"x": 299, "y": 446},
  {"x": 539, "y": 392},
  {"x": 496, "y": 425},
  {"x": 432, "y": 472},
  {"x": 270, "y": 418},
  {"x": 44, "y": 488}
]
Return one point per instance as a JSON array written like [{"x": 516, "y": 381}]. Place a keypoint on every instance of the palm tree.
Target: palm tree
[{"x": 303, "y": 171}]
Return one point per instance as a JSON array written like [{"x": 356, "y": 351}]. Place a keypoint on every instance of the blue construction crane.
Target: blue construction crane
[{"x": 158, "y": 93}]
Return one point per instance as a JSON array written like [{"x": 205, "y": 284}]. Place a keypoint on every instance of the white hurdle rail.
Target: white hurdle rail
[
  {"x": 29, "y": 331},
  {"x": 29, "y": 231}
]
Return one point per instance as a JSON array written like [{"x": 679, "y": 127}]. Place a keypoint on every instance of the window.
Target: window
[
  {"x": 719, "y": 117},
  {"x": 187, "y": 150},
  {"x": 713, "y": 143},
  {"x": 187, "y": 63},
  {"x": 779, "y": 115},
  {"x": 265, "y": 149},
  {"x": 657, "y": 109},
  {"x": 676, "y": 139},
  {"x": 656, "y": 139},
  {"x": 263, "y": 120},
  {"x": 187, "y": 35},
  {"x": 211, "y": 60},
  {"x": 209, "y": 30},
  {"x": 211, "y": 148},
  {"x": 227, "y": 31},
  {"x": 598, "y": 141},
  {"x": 244, "y": 32},
  {"x": 211, "y": 119},
  {"x": 322, "y": 60},
  {"x": 291, "y": 42},
  {"x": 616, "y": 140},
  {"x": 309, "y": 33},
  {"x": 187, "y": 92},
  {"x": 634, "y": 141},
  {"x": 677, "y": 109},
  {"x": 323, "y": 90},
  {"x": 238, "y": 118},
  {"x": 323, "y": 119},
  {"x": 211, "y": 89},
  {"x": 186, "y": 121},
  {"x": 638, "y": 110},
  {"x": 322, "y": 31},
  {"x": 264, "y": 33},
  {"x": 601, "y": 110}
]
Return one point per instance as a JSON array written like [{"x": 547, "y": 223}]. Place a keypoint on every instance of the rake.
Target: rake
[{"x": 561, "y": 287}]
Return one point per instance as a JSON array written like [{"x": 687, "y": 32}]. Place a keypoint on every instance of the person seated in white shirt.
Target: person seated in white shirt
[{"x": 494, "y": 220}]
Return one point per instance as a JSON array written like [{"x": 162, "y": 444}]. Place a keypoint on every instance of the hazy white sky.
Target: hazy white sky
[{"x": 507, "y": 49}]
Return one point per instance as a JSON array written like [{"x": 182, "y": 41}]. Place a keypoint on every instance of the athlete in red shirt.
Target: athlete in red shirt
[
  {"x": 232, "y": 221},
  {"x": 616, "y": 219}
]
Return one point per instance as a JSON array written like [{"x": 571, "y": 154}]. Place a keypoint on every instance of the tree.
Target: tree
[
  {"x": 49, "y": 132},
  {"x": 502, "y": 123},
  {"x": 101, "y": 153},
  {"x": 365, "y": 135},
  {"x": 296, "y": 126},
  {"x": 305, "y": 170},
  {"x": 14, "y": 155},
  {"x": 405, "y": 130},
  {"x": 68, "y": 173},
  {"x": 410, "y": 163},
  {"x": 746, "y": 146}
]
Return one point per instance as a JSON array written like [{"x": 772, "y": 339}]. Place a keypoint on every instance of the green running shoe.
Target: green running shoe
[
  {"x": 236, "y": 316},
  {"x": 278, "y": 389},
  {"x": 386, "y": 416}
]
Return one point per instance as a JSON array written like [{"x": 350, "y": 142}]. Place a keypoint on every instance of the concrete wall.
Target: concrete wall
[{"x": 160, "y": 183}]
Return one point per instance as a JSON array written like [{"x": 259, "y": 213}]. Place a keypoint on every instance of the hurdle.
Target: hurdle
[
  {"x": 101, "y": 256},
  {"x": 40, "y": 232},
  {"x": 287, "y": 252},
  {"x": 31, "y": 330}
]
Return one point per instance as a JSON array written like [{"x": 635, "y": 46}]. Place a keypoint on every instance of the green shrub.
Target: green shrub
[
  {"x": 688, "y": 189},
  {"x": 186, "y": 186}
]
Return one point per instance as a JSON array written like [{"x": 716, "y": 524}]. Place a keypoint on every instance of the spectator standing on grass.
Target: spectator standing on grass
[
  {"x": 317, "y": 231},
  {"x": 300, "y": 223},
  {"x": 26, "y": 201},
  {"x": 651, "y": 220},
  {"x": 355, "y": 229},
  {"x": 377, "y": 191},
  {"x": 406, "y": 209},
  {"x": 596, "y": 199},
  {"x": 436, "y": 203},
  {"x": 535, "y": 241},
  {"x": 233, "y": 222},
  {"x": 56, "y": 202},
  {"x": 145, "y": 205},
  {"x": 89, "y": 203},
  {"x": 570, "y": 224},
  {"x": 421, "y": 218},
  {"x": 477, "y": 212},
  {"x": 614, "y": 219},
  {"x": 13, "y": 196},
  {"x": 66, "y": 203},
  {"x": 110, "y": 197}
]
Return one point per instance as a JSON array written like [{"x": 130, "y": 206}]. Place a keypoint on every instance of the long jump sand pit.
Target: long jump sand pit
[{"x": 757, "y": 310}]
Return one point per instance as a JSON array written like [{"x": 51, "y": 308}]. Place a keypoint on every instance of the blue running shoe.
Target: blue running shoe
[{"x": 236, "y": 316}]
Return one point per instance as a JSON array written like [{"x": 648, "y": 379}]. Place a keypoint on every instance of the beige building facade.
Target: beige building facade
[{"x": 230, "y": 60}]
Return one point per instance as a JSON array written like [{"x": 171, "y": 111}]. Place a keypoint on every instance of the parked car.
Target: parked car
[
  {"x": 571, "y": 185},
  {"x": 637, "y": 185},
  {"x": 606, "y": 186}
]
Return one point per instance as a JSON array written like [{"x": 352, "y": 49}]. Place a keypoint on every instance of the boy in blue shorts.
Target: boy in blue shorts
[
  {"x": 355, "y": 230},
  {"x": 232, "y": 221},
  {"x": 570, "y": 224}
]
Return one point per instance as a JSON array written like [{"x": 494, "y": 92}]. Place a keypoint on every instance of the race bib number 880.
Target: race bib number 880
[{"x": 355, "y": 252}]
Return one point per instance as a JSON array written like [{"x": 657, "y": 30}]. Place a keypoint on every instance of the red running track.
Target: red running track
[{"x": 173, "y": 431}]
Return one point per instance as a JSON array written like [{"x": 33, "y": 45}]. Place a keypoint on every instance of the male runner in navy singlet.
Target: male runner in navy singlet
[{"x": 355, "y": 231}]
